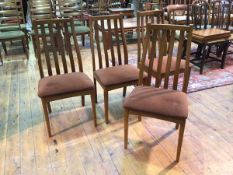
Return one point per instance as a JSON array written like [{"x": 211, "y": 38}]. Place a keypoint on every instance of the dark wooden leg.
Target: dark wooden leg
[
  {"x": 34, "y": 45},
  {"x": 25, "y": 47},
  {"x": 203, "y": 57},
  {"x": 46, "y": 117},
  {"x": 93, "y": 107},
  {"x": 83, "y": 100},
  {"x": 225, "y": 48},
  {"x": 106, "y": 105},
  {"x": 126, "y": 125},
  {"x": 49, "y": 108},
  {"x": 180, "y": 140},
  {"x": 139, "y": 118},
  {"x": 1, "y": 61},
  {"x": 96, "y": 100},
  {"x": 4, "y": 47},
  {"x": 177, "y": 125},
  {"x": 124, "y": 91},
  {"x": 83, "y": 39}
]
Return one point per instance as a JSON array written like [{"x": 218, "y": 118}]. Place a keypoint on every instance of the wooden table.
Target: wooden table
[
  {"x": 128, "y": 12},
  {"x": 210, "y": 37}
]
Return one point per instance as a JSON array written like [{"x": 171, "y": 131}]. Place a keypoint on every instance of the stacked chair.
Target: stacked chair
[{"x": 12, "y": 25}]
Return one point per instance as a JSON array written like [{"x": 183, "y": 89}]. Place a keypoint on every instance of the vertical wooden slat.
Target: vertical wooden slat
[
  {"x": 111, "y": 42},
  {"x": 68, "y": 47},
  {"x": 139, "y": 29},
  {"x": 169, "y": 58},
  {"x": 96, "y": 28},
  {"x": 179, "y": 54},
  {"x": 45, "y": 46},
  {"x": 105, "y": 36},
  {"x": 116, "y": 28},
  {"x": 92, "y": 43},
  {"x": 61, "y": 47},
  {"x": 123, "y": 40},
  {"x": 52, "y": 38},
  {"x": 73, "y": 35}
]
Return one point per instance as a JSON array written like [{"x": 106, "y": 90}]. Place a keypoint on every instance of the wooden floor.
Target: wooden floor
[{"x": 80, "y": 148}]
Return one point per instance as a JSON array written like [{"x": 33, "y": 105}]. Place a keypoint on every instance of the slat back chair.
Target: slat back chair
[
  {"x": 41, "y": 9},
  {"x": 164, "y": 42},
  {"x": 144, "y": 17},
  {"x": 61, "y": 74},
  {"x": 150, "y": 101},
  {"x": 200, "y": 14},
  {"x": 71, "y": 9},
  {"x": 108, "y": 35},
  {"x": 11, "y": 18},
  {"x": 220, "y": 14},
  {"x": 110, "y": 56}
]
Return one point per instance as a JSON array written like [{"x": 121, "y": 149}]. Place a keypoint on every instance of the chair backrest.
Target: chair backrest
[
  {"x": 144, "y": 17},
  {"x": 41, "y": 9},
  {"x": 160, "y": 44},
  {"x": 200, "y": 14},
  {"x": 10, "y": 14},
  {"x": 70, "y": 8},
  {"x": 221, "y": 14},
  {"x": 107, "y": 33},
  {"x": 54, "y": 59}
]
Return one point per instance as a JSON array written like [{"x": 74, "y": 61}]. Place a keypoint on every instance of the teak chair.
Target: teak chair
[
  {"x": 110, "y": 68},
  {"x": 161, "y": 102},
  {"x": 69, "y": 9},
  {"x": 156, "y": 17},
  {"x": 61, "y": 75},
  {"x": 144, "y": 17},
  {"x": 10, "y": 18}
]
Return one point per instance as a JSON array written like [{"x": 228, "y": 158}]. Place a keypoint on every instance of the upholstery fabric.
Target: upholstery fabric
[
  {"x": 164, "y": 64},
  {"x": 12, "y": 27},
  {"x": 80, "y": 29},
  {"x": 158, "y": 101},
  {"x": 63, "y": 84},
  {"x": 117, "y": 75},
  {"x": 11, "y": 35}
]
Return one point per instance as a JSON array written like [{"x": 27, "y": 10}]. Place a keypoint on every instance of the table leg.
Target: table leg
[
  {"x": 203, "y": 57},
  {"x": 225, "y": 48}
]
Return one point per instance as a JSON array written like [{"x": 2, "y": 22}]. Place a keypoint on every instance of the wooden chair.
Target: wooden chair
[
  {"x": 11, "y": 19},
  {"x": 61, "y": 75},
  {"x": 69, "y": 9},
  {"x": 110, "y": 68},
  {"x": 144, "y": 17},
  {"x": 165, "y": 103}
]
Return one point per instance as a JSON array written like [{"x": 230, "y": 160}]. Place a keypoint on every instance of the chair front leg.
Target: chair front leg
[
  {"x": 126, "y": 126},
  {"x": 45, "y": 107},
  {"x": 93, "y": 107},
  {"x": 124, "y": 91},
  {"x": 4, "y": 47},
  {"x": 106, "y": 105},
  {"x": 83, "y": 100},
  {"x": 180, "y": 140}
]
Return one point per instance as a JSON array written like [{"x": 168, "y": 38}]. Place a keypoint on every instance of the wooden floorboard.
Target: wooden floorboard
[{"x": 79, "y": 148}]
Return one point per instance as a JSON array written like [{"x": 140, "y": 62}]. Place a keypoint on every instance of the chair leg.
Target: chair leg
[
  {"x": 83, "y": 100},
  {"x": 4, "y": 47},
  {"x": 106, "y": 105},
  {"x": 1, "y": 61},
  {"x": 180, "y": 140},
  {"x": 177, "y": 126},
  {"x": 83, "y": 39},
  {"x": 96, "y": 100},
  {"x": 124, "y": 91},
  {"x": 93, "y": 108},
  {"x": 25, "y": 47},
  {"x": 34, "y": 45},
  {"x": 139, "y": 118},
  {"x": 46, "y": 117},
  {"x": 126, "y": 125},
  {"x": 49, "y": 108}
]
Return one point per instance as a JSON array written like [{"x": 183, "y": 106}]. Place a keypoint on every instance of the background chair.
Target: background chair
[
  {"x": 61, "y": 75},
  {"x": 110, "y": 64},
  {"x": 165, "y": 103},
  {"x": 70, "y": 9},
  {"x": 10, "y": 27}
]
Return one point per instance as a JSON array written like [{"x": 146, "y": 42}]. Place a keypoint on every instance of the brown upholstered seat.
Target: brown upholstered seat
[
  {"x": 164, "y": 64},
  {"x": 63, "y": 84},
  {"x": 117, "y": 75},
  {"x": 158, "y": 101}
]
